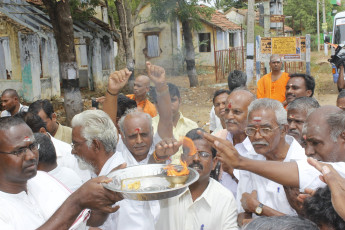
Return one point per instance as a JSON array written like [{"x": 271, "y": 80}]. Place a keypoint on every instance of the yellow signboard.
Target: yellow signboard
[
  {"x": 302, "y": 44},
  {"x": 284, "y": 45},
  {"x": 265, "y": 45}
]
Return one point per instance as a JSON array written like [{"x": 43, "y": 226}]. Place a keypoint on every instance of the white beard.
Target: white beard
[{"x": 83, "y": 165}]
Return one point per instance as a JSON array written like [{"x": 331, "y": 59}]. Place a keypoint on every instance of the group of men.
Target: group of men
[{"x": 254, "y": 163}]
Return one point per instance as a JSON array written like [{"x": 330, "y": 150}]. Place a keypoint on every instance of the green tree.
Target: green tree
[
  {"x": 190, "y": 15},
  {"x": 227, "y": 4},
  {"x": 304, "y": 14}
]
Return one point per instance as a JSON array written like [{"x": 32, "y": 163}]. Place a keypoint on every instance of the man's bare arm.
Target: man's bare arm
[
  {"x": 285, "y": 173},
  {"x": 157, "y": 75},
  {"x": 117, "y": 80},
  {"x": 91, "y": 195}
]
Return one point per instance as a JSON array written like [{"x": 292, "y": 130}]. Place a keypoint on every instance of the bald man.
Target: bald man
[
  {"x": 11, "y": 103},
  {"x": 273, "y": 84},
  {"x": 141, "y": 88}
]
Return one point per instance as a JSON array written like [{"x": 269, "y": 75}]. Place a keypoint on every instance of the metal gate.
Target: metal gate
[{"x": 227, "y": 61}]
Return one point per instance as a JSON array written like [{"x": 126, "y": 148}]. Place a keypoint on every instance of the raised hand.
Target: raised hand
[
  {"x": 226, "y": 152},
  {"x": 117, "y": 80},
  {"x": 167, "y": 147},
  {"x": 335, "y": 182},
  {"x": 155, "y": 73}
]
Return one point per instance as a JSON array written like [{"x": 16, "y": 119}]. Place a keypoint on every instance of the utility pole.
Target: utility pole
[
  {"x": 324, "y": 28},
  {"x": 267, "y": 18},
  {"x": 250, "y": 41},
  {"x": 267, "y": 26},
  {"x": 318, "y": 25}
]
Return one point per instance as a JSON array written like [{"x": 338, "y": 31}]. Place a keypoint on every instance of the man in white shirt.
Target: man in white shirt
[
  {"x": 236, "y": 109},
  {"x": 297, "y": 112},
  {"x": 236, "y": 79},
  {"x": 139, "y": 141},
  {"x": 47, "y": 163},
  {"x": 34, "y": 200},
  {"x": 11, "y": 103},
  {"x": 94, "y": 138},
  {"x": 206, "y": 204},
  {"x": 219, "y": 103},
  {"x": 267, "y": 128},
  {"x": 45, "y": 110},
  {"x": 325, "y": 141},
  {"x": 63, "y": 150}
]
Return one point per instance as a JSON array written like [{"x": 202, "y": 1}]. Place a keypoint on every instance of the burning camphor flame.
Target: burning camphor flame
[
  {"x": 172, "y": 171},
  {"x": 188, "y": 143}
]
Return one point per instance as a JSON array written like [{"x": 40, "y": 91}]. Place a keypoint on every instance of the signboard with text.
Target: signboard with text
[{"x": 289, "y": 48}]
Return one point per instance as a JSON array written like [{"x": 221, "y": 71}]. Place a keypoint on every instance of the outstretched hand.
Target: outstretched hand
[
  {"x": 167, "y": 147},
  {"x": 335, "y": 182},
  {"x": 94, "y": 196},
  {"x": 155, "y": 73},
  {"x": 226, "y": 152},
  {"x": 117, "y": 80}
]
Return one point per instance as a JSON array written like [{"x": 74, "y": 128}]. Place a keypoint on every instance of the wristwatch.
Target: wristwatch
[{"x": 258, "y": 210}]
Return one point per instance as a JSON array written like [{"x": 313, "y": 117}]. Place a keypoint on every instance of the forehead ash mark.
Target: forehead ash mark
[
  {"x": 291, "y": 116},
  {"x": 229, "y": 106},
  {"x": 257, "y": 119},
  {"x": 137, "y": 130},
  {"x": 26, "y": 139}
]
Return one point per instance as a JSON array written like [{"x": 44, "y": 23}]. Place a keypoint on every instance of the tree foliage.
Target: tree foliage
[
  {"x": 304, "y": 13},
  {"x": 227, "y": 4},
  {"x": 83, "y": 10},
  {"x": 163, "y": 10}
]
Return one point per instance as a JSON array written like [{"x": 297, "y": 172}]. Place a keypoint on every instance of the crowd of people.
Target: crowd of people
[{"x": 274, "y": 160}]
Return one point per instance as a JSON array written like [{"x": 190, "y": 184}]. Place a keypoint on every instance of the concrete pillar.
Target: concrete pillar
[
  {"x": 250, "y": 41},
  {"x": 111, "y": 55},
  {"x": 54, "y": 64},
  {"x": 96, "y": 63},
  {"x": 30, "y": 66}
]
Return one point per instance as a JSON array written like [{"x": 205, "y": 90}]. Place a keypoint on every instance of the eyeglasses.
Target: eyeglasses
[
  {"x": 75, "y": 144},
  {"x": 33, "y": 147},
  {"x": 250, "y": 131},
  {"x": 202, "y": 154}
]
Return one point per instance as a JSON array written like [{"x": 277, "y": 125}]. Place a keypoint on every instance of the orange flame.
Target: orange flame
[
  {"x": 172, "y": 171},
  {"x": 188, "y": 143}
]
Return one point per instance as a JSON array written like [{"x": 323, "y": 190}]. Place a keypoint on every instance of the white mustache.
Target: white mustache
[
  {"x": 294, "y": 131},
  {"x": 231, "y": 121},
  {"x": 260, "y": 143}
]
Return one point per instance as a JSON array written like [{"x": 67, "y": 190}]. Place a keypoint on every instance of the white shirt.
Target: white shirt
[
  {"x": 215, "y": 209},
  {"x": 112, "y": 162},
  {"x": 309, "y": 176},
  {"x": 67, "y": 177},
  {"x": 214, "y": 120},
  {"x": 22, "y": 108},
  {"x": 269, "y": 193},
  {"x": 32, "y": 209},
  {"x": 244, "y": 149},
  {"x": 66, "y": 159},
  {"x": 136, "y": 215}
]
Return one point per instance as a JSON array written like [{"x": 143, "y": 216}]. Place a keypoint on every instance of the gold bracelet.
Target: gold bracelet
[{"x": 112, "y": 94}]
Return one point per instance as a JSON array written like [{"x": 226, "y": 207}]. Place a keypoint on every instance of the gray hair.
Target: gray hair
[
  {"x": 305, "y": 104},
  {"x": 336, "y": 122},
  {"x": 267, "y": 103},
  {"x": 96, "y": 124},
  {"x": 133, "y": 112},
  {"x": 282, "y": 223}
]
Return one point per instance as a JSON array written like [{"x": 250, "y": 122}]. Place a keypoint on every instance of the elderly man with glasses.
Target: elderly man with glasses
[{"x": 267, "y": 130}]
